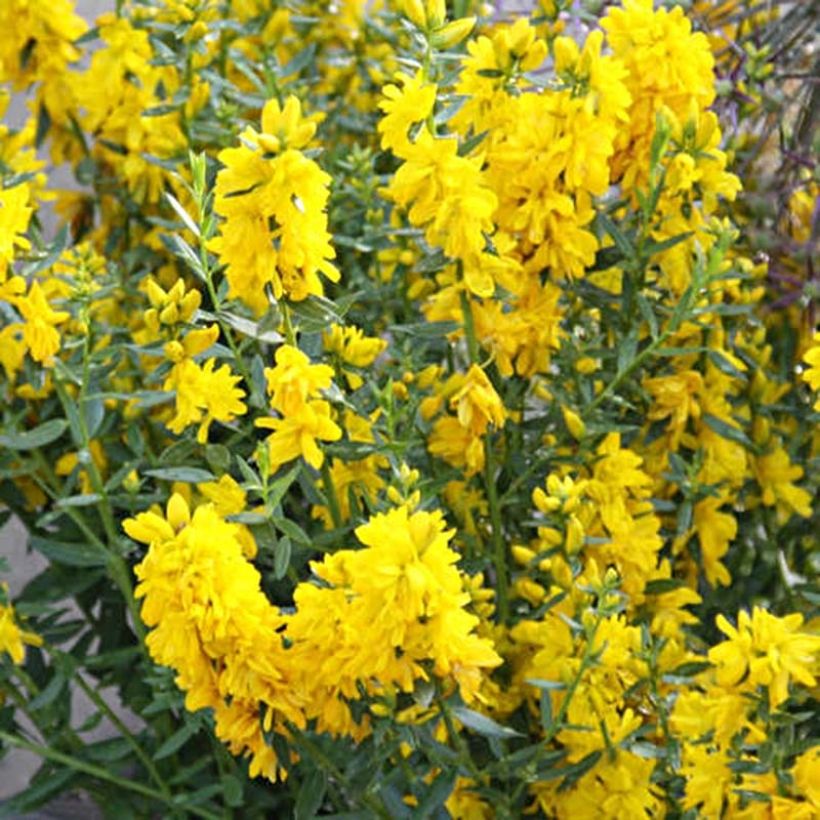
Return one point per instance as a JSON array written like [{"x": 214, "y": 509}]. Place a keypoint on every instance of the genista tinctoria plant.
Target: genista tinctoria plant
[{"x": 408, "y": 410}]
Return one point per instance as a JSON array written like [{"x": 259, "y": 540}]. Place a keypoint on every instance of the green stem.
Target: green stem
[
  {"x": 558, "y": 723},
  {"x": 290, "y": 335},
  {"x": 330, "y": 493},
  {"x": 469, "y": 327},
  {"x": 217, "y": 303},
  {"x": 456, "y": 739},
  {"x": 701, "y": 279},
  {"x": 102, "y": 774},
  {"x": 100, "y": 703},
  {"x": 330, "y": 767},
  {"x": 116, "y": 566},
  {"x": 499, "y": 549}
]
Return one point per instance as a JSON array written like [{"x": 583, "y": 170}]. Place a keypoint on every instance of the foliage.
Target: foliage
[{"x": 405, "y": 412}]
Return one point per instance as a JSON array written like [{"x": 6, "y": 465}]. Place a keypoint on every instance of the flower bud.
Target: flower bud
[
  {"x": 453, "y": 33},
  {"x": 414, "y": 11}
]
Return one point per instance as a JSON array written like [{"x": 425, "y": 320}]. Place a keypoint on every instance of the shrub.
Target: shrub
[{"x": 402, "y": 403}]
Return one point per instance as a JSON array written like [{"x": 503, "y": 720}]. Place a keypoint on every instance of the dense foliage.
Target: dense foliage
[{"x": 417, "y": 416}]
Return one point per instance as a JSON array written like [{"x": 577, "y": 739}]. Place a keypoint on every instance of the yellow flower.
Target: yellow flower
[
  {"x": 775, "y": 473},
  {"x": 451, "y": 441},
  {"x": 806, "y": 774},
  {"x": 296, "y": 435},
  {"x": 446, "y": 194},
  {"x": 562, "y": 494},
  {"x": 465, "y": 804},
  {"x": 285, "y": 127},
  {"x": 407, "y": 103},
  {"x": 226, "y": 495},
  {"x": 204, "y": 395},
  {"x": 211, "y": 623},
  {"x": 675, "y": 397},
  {"x": 12, "y": 638},
  {"x": 401, "y": 600},
  {"x": 708, "y": 779},
  {"x": 169, "y": 308},
  {"x": 354, "y": 348},
  {"x": 359, "y": 478},
  {"x": 274, "y": 210},
  {"x": 39, "y": 331},
  {"x": 765, "y": 650},
  {"x": 294, "y": 380},
  {"x": 15, "y": 213},
  {"x": 716, "y": 529},
  {"x": 477, "y": 404},
  {"x": 812, "y": 373}
]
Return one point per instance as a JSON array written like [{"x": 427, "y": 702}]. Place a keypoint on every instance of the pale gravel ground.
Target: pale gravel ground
[{"x": 17, "y": 767}]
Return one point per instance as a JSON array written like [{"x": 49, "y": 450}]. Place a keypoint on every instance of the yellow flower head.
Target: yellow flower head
[
  {"x": 284, "y": 127},
  {"x": 294, "y": 380},
  {"x": 765, "y": 650},
  {"x": 12, "y": 638}
]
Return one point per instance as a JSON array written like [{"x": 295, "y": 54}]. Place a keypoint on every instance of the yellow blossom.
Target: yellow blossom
[
  {"x": 12, "y": 638},
  {"x": 765, "y": 650},
  {"x": 204, "y": 395}
]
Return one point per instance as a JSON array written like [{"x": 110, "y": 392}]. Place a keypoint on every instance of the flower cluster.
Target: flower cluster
[{"x": 236, "y": 653}]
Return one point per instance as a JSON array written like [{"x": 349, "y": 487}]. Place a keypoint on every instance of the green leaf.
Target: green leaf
[
  {"x": 247, "y": 471},
  {"x": 232, "y": 790},
  {"x": 56, "y": 249},
  {"x": 49, "y": 694},
  {"x": 546, "y": 685},
  {"x": 93, "y": 415},
  {"x": 38, "y": 437},
  {"x": 281, "y": 558},
  {"x": 84, "y": 500},
  {"x": 572, "y": 774},
  {"x": 659, "y": 247},
  {"x": 427, "y": 330},
  {"x": 684, "y": 517},
  {"x": 436, "y": 795},
  {"x": 727, "y": 431},
  {"x": 303, "y": 59},
  {"x": 187, "y": 475},
  {"x": 179, "y": 247},
  {"x": 661, "y": 585},
  {"x": 482, "y": 724},
  {"x": 470, "y": 144},
  {"x": 647, "y": 750},
  {"x": 724, "y": 365},
  {"x": 109, "y": 750},
  {"x": 315, "y": 314},
  {"x": 252, "y": 518},
  {"x": 249, "y": 328},
  {"x": 545, "y": 708},
  {"x": 282, "y": 485},
  {"x": 177, "y": 740},
  {"x": 311, "y": 795},
  {"x": 622, "y": 242},
  {"x": 182, "y": 213},
  {"x": 648, "y": 314},
  {"x": 218, "y": 457},
  {"x": 43, "y": 124},
  {"x": 292, "y": 529},
  {"x": 690, "y": 669},
  {"x": 627, "y": 351}
]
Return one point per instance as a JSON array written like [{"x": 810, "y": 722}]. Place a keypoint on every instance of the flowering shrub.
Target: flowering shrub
[{"x": 401, "y": 403}]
